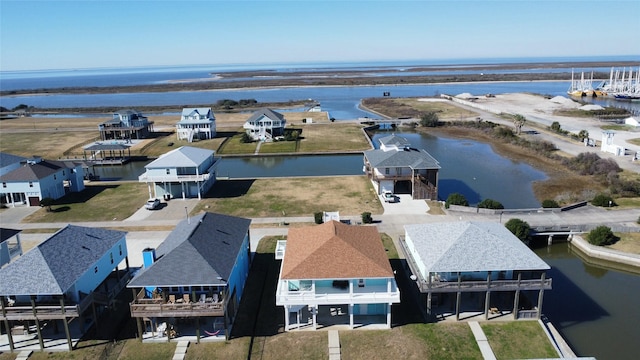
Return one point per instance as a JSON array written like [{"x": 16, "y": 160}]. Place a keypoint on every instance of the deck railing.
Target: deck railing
[{"x": 160, "y": 308}]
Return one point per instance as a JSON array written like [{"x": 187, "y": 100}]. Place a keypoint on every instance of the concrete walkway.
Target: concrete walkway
[
  {"x": 181, "y": 350},
  {"x": 334, "y": 345},
  {"x": 483, "y": 344},
  {"x": 24, "y": 355}
]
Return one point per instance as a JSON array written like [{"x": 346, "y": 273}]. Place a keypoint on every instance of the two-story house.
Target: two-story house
[
  {"x": 265, "y": 124},
  {"x": 475, "y": 269},
  {"x": 72, "y": 275},
  {"x": 335, "y": 274},
  {"x": 36, "y": 179},
  {"x": 197, "y": 273},
  {"x": 398, "y": 168},
  {"x": 9, "y": 162},
  {"x": 181, "y": 173},
  {"x": 126, "y": 125},
  {"x": 196, "y": 123}
]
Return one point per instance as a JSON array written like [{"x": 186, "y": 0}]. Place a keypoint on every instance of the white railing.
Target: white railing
[
  {"x": 173, "y": 178},
  {"x": 330, "y": 295}
]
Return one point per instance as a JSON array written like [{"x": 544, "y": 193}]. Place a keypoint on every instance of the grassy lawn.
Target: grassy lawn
[
  {"x": 50, "y": 145},
  {"x": 278, "y": 147},
  {"x": 412, "y": 107},
  {"x": 634, "y": 141},
  {"x": 617, "y": 127},
  {"x": 411, "y": 341},
  {"x": 629, "y": 242},
  {"x": 95, "y": 203},
  {"x": 167, "y": 141},
  {"x": 389, "y": 246},
  {"x": 234, "y": 145},
  {"x": 333, "y": 137},
  {"x": 518, "y": 340},
  {"x": 351, "y": 195},
  {"x": 135, "y": 350},
  {"x": 627, "y": 203},
  {"x": 232, "y": 349}
]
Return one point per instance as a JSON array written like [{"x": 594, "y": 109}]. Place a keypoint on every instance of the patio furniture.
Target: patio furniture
[
  {"x": 203, "y": 298},
  {"x": 186, "y": 299},
  {"x": 172, "y": 299},
  {"x": 215, "y": 298}
]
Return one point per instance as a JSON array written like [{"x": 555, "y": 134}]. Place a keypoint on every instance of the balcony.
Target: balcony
[
  {"x": 180, "y": 307},
  {"x": 173, "y": 178},
  {"x": 325, "y": 295}
]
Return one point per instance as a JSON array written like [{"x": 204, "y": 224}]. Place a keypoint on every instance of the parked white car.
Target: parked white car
[
  {"x": 389, "y": 197},
  {"x": 152, "y": 204}
]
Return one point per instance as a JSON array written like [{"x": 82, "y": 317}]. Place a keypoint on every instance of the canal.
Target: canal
[{"x": 595, "y": 307}]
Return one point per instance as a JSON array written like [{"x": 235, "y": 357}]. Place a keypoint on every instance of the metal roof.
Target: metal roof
[
  {"x": 184, "y": 156},
  {"x": 470, "y": 246}
]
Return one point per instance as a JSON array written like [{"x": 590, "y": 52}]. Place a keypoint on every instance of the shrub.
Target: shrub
[
  {"x": 246, "y": 138},
  {"x": 429, "y": 119},
  {"x": 456, "y": 199},
  {"x": 318, "y": 217},
  {"x": 550, "y": 204},
  {"x": 46, "y": 203},
  {"x": 555, "y": 126},
  {"x": 366, "y": 218},
  {"x": 603, "y": 200},
  {"x": 490, "y": 204},
  {"x": 520, "y": 229},
  {"x": 583, "y": 134},
  {"x": 602, "y": 235}
]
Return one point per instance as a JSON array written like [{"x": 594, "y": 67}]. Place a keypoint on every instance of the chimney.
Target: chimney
[{"x": 148, "y": 257}]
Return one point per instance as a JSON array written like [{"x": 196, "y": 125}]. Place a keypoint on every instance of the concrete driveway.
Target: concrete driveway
[{"x": 168, "y": 210}]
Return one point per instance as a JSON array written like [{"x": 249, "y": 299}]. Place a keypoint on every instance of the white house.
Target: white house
[
  {"x": 399, "y": 168},
  {"x": 127, "y": 125},
  {"x": 196, "y": 123},
  {"x": 183, "y": 172},
  {"x": 460, "y": 265},
  {"x": 265, "y": 124},
  {"x": 37, "y": 179},
  {"x": 335, "y": 274}
]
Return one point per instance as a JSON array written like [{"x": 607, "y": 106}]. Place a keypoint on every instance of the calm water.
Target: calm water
[{"x": 595, "y": 308}]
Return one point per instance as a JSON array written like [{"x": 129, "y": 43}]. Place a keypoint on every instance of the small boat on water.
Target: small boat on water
[
  {"x": 582, "y": 87},
  {"x": 622, "y": 85}
]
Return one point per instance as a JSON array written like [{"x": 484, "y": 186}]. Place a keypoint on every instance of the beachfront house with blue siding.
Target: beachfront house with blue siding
[
  {"x": 196, "y": 123},
  {"x": 73, "y": 274},
  {"x": 37, "y": 178},
  {"x": 184, "y": 172},
  {"x": 335, "y": 274},
  {"x": 476, "y": 269},
  {"x": 198, "y": 274}
]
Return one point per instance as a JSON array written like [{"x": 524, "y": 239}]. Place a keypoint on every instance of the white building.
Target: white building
[
  {"x": 608, "y": 146},
  {"x": 196, "y": 123},
  {"x": 37, "y": 179},
  {"x": 265, "y": 124},
  {"x": 183, "y": 172}
]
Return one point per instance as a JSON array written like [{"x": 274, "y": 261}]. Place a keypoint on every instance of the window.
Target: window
[
  {"x": 30, "y": 184},
  {"x": 168, "y": 171},
  {"x": 120, "y": 249},
  {"x": 95, "y": 269},
  {"x": 360, "y": 282},
  {"x": 54, "y": 177},
  {"x": 111, "y": 257},
  {"x": 4, "y": 184},
  {"x": 386, "y": 171}
]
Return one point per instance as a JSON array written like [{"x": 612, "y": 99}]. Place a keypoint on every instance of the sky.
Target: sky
[{"x": 37, "y": 35}]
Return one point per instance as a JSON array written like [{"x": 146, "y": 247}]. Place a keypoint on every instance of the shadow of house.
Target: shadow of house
[{"x": 229, "y": 189}]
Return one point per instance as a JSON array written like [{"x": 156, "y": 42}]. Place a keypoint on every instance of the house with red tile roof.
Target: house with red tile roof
[{"x": 336, "y": 274}]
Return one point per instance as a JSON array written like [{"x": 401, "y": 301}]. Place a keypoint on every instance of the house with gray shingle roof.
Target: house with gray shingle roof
[
  {"x": 335, "y": 274},
  {"x": 9, "y": 162},
  {"x": 396, "y": 167},
  {"x": 198, "y": 273},
  {"x": 196, "y": 123},
  {"x": 265, "y": 124},
  {"x": 126, "y": 125},
  {"x": 181, "y": 173},
  {"x": 37, "y": 178},
  {"x": 74, "y": 273},
  {"x": 459, "y": 265}
]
